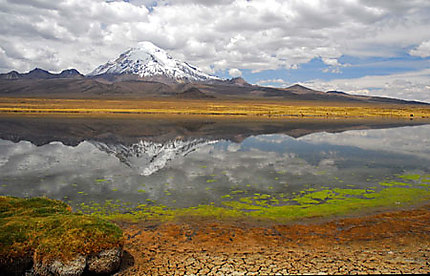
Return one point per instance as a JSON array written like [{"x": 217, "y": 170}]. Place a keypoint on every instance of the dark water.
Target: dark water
[{"x": 186, "y": 164}]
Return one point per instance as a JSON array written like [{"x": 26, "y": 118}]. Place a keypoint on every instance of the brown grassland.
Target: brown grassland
[{"x": 211, "y": 107}]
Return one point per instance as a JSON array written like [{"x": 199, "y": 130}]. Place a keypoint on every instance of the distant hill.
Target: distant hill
[
  {"x": 193, "y": 93},
  {"x": 301, "y": 90},
  {"x": 337, "y": 92},
  {"x": 238, "y": 81},
  {"x": 40, "y": 74}
]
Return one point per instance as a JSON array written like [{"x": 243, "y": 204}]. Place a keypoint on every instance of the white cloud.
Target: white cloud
[
  {"x": 273, "y": 83},
  {"x": 331, "y": 61},
  {"x": 234, "y": 72},
  {"x": 214, "y": 35},
  {"x": 423, "y": 50},
  {"x": 410, "y": 86}
]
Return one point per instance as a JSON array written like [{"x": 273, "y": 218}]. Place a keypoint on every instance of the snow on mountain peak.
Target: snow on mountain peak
[{"x": 148, "y": 60}]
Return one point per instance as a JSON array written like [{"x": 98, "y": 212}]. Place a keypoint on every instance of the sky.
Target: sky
[{"x": 369, "y": 47}]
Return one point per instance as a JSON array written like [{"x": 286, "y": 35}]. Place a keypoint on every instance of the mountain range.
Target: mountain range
[
  {"x": 149, "y": 71},
  {"x": 40, "y": 74}
]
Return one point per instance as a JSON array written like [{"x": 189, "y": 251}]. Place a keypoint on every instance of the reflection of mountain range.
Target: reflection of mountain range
[
  {"x": 72, "y": 131},
  {"x": 148, "y": 157}
]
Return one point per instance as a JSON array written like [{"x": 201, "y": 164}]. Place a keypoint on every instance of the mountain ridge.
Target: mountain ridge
[
  {"x": 148, "y": 62},
  {"x": 75, "y": 85},
  {"x": 40, "y": 74},
  {"x": 149, "y": 71}
]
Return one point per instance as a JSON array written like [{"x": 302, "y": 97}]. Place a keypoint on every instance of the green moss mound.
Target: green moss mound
[{"x": 47, "y": 229}]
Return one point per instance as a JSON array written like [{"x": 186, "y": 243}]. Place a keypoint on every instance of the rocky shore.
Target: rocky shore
[
  {"x": 390, "y": 242},
  {"x": 41, "y": 236}
]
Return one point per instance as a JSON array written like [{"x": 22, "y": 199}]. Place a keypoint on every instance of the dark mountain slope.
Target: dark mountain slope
[{"x": 193, "y": 93}]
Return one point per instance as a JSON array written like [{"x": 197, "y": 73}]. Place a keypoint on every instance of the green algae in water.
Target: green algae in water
[
  {"x": 335, "y": 202},
  {"x": 246, "y": 207},
  {"x": 393, "y": 183},
  {"x": 410, "y": 176},
  {"x": 310, "y": 202}
]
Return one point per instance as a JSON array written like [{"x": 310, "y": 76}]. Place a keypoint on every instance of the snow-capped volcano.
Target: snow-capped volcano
[{"x": 147, "y": 61}]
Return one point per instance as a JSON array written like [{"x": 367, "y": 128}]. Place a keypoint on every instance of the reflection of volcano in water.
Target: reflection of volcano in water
[{"x": 149, "y": 157}]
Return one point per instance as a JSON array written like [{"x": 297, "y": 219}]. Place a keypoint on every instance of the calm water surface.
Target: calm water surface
[{"x": 188, "y": 171}]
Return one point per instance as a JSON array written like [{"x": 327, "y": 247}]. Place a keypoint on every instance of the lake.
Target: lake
[{"x": 150, "y": 165}]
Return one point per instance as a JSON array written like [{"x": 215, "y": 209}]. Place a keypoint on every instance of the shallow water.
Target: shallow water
[{"x": 194, "y": 170}]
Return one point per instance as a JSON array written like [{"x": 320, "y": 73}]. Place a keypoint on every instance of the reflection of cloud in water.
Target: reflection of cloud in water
[
  {"x": 272, "y": 138},
  {"x": 405, "y": 140},
  {"x": 243, "y": 166},
  {"x": 55, "y": 158},
  {"x": 263, "y": 164},
  {"x": 233, "y": 147}
]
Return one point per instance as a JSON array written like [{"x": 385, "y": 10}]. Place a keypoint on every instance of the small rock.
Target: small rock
[
  {"x": 74, "y": 267},
  {"x": 70, "y": 268},
  {"x": 105, "y": 262}
]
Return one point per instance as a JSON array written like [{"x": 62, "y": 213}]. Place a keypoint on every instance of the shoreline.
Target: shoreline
[
  {"x": 387, "y": 242},
  {"x": 383, "y": 242}
]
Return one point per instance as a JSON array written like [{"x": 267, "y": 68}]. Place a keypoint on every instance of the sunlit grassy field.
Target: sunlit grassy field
[{"x": 212, "y": 107}]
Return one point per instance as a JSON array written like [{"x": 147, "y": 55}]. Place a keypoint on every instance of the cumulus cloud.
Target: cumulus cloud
[
  {"x": 234, "y": 72},
  {"x": 423, "y": 50},
  {"x": 410, "y": 86},
  {"x": 273, "y": 83},
  {"x": 214, "y": 35},
  {"x": 331, "y": 61}
]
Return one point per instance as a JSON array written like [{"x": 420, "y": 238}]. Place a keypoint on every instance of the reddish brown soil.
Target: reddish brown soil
[{"x": 391, "y": 242}]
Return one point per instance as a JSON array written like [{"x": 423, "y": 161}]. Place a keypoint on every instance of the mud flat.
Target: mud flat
[{"x": 387, "y": 242}]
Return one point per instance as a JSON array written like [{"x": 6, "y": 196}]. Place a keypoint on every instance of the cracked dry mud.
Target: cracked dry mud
[{"x": 391, "y": 242}]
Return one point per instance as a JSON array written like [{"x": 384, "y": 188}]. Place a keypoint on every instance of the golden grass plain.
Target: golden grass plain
[{"x": 211, "y": 107}]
